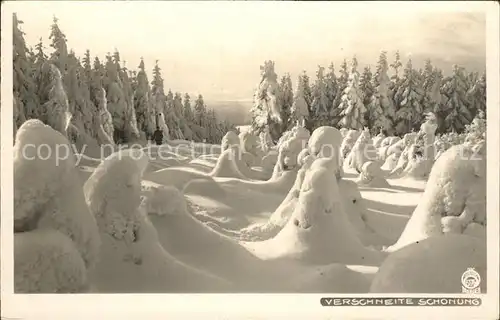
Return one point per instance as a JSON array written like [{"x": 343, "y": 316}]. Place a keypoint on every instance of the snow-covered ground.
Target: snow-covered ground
[{"x": 208, "y": 222}]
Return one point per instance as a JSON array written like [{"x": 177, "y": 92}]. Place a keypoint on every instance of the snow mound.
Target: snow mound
[
  {"x": 205, "y": 187},
  {"x": 323, "y": 138},
  {"x": 162, "y": 200},
  {"x": 47, "y": 189},
  {"x": 390, "y": 162},
  {"x": 333, "y": 278},
  {"x": 318, "y": 232},
  {"x": 132, "y": 258},
  {"x": 226, "y": 166},
  {"x": 269, "y": 161},
  {"x": 433, "y": 265},
  {"x": 372, "y": 176},
  {"x": 267, "y": 230},
  {"x": 230, "y": 139},
  {"x": 348, "y": 142},
  {"x": 362, "y": 152},
  {"x": 455, "y": 196},
  {"x": 47, "y": 261}
]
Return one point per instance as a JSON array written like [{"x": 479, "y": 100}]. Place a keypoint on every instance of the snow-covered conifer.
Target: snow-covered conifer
[
  {"x": 380, "y": 109},
  {"x": 409, "y": 95},
  {"x": 351, "y": 106},
  {"x": 320, "y": 104},
  {"x": 266, "y": 111},
  {"x": 456, "y": 103}
]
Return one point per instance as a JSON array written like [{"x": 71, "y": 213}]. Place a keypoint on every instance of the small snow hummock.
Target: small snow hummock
[
  {"x": 325, "y": 142},
  {"x": 454, "y": 197},
  {"x": 372, "y": 176}
]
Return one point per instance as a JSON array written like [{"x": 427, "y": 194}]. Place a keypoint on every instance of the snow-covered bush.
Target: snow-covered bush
[
  {"x": 362, "y": 152},
  {"x": 47, "y": 189},
  {"x": 348, "y": 142},
  {"x": 229, "y": 139},
  {"x": 162, "y": 200},
  {"x": 455, "y": 196},
  {"x": 113, "y": 193},
  {"x": 371, "y": 175}
]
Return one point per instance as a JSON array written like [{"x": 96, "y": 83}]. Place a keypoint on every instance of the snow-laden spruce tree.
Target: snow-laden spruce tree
[
  {"x": 199, "y": 121},
  {"x": 409, "y": 96},
  {"x": 380, "y": 109},
  {"x": 145, "y": 100},
  {"x": 104, "y": 121},
  {"x": 188, "y": 111},
  {"x": 116, "y": 103},
  {"x": 286, "y": 89},
  {"x": 23, "y": 84},
  {"x": 320, "y": 104},
  {"x": 331, "y": 92},
  {"x": 173, "y": 116},
  {"x": 179, "y": 110},
  {"x": 60, "y": 54},
  {"x": 300, "y": 110},
  {"x": 351, "y": 105},
  {"x": 477, "y": 94},
  {"x": 342, "y": 83},
  {"x": 456, "y": 102},
  {"x": 395, "y": 78},
  {"x": 79, "y": 102},
  {"x": 366, "y": 85},
  {"x": 266, "y": 110},
  {"x": 54, "y": 108}
]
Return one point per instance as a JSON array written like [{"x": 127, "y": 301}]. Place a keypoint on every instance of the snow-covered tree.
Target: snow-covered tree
[
  {"x": 186, "y": 132},
  {"x": 342, "y": 83},
  {"x": 60, "y": 54},
  {"x": 380, "y": 109},
  {"x": 300, "y": 110},
  {"x": 331, "y": 89},
  {"x": 188, "y": 112},
  {"x": 477, "y": 94},
  {"x": 199, "y": 121},
  {"x": 456, "y": 103},
  {"x": 286, "y": 89},
  {"x": 146, "y": 100},
  {"x": 351, "y": 105},
  {"x": 366, "y": 86},
  {"x": 320, "y": 105},
  {"x": 409, "y": 95},
  {"x": 54, "y": 108},
  {"x": 123, "y": 119},
  {"x": 23, "y": 84},
  {"x": 266, "y": 111}
]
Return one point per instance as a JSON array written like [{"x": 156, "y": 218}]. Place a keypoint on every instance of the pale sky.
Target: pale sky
[{"x": 216, "y": 48}]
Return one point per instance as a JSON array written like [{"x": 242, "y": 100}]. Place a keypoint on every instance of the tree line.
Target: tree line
[
  {"x": 89, "y": 98},
  {"x": 348, "y": 98}
]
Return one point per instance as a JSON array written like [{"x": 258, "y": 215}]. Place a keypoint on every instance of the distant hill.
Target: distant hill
[{"x": 235, "y": 111}]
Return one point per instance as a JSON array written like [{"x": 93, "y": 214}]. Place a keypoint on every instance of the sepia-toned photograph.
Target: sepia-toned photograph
[{"x": 249, "y": 147}]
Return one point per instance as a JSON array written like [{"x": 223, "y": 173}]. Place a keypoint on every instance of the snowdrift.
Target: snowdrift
[{"x": 433, "y": 265}]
